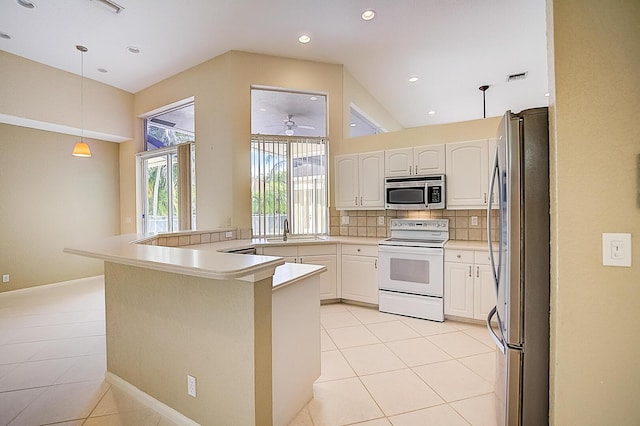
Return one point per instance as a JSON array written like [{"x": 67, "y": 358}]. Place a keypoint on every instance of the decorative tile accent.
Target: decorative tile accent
[{"x": 364, "y": 223}]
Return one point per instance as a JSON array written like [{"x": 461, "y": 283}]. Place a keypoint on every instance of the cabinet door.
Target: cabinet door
[
  {"x": 429, "y": 160},
  {"x": 484, "y": 297},
  {"x": 467, "y": 174},
  {"x": 397, "y": 162},
  {"x": 360, "y": 278},
  {"x": 458, "y": 289},
  {"x": 371, "y": 180},
  {"x": 346, "y": 181},
  {"x": 328, "y": 283}
]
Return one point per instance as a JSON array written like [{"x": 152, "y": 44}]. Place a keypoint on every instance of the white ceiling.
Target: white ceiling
[{"x": 453, "y": 46}]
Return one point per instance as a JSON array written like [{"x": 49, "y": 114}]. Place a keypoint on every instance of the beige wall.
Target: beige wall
[
  {"x": 426, "y": 135},
  {"x": 595, "y": 347},
  {"x": 221, "y": 87},
  {"x": 33, "y": 91},
  {"x": 50, "y": 200}
]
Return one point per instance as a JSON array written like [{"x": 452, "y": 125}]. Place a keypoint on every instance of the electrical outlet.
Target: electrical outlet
[
  {"x": 381, "y": 220},
  {"x": 5, "y": 278},
  {"x": 228, "y": 234},
  {"x": 474, "y": 220},
  {"x": 191, "y": 385},
  {"x": 344, "y": 220}
]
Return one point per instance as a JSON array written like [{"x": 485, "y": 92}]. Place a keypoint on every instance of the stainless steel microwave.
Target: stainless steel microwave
[{"x": 415, "y": 192}]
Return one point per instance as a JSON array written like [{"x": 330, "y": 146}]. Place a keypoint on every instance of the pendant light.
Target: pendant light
[
  {"x": 483, "y": 89},
  {"x": 81, "y": 149}
]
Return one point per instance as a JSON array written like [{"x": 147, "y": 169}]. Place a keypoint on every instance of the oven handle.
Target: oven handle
[{"x": 410, "y": 250}]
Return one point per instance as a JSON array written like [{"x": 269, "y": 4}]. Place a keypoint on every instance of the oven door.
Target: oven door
[{"x": 414, "y": 270}]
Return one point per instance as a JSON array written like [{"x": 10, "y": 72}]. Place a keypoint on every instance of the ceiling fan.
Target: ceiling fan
[{"x": 289, "y": 125}]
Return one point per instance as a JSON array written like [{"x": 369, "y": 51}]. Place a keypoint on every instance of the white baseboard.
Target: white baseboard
[
  {"x": 47, "y": 286},
  {"x": 149, "y": 401}
]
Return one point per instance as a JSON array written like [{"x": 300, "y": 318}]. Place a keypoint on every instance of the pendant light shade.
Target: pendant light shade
[{"x": 81, "y": 149}]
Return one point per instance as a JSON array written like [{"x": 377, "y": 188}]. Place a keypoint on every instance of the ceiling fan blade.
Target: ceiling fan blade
[{"x": 301, "y": 126}]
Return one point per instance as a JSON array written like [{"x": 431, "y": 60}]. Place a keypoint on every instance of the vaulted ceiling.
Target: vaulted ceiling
[{"x": 452, "y": 46}]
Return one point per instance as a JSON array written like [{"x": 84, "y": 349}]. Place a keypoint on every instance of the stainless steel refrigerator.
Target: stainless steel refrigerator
[{"x": 521, "y": 267}]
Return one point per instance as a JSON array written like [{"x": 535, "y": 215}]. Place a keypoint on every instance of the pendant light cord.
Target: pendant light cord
[
  {"x": 484, "y": 101},
  {"x": 82, "y": 50}
]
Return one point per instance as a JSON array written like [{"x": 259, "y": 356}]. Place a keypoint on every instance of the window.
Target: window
[
  {"x": 288, "y": 180},
  {"x": 171, "y": 127},
  {"x": 168, "y": 172},
  {"x": 288, "y": 162},
  {"x": 361, "y": 125}
]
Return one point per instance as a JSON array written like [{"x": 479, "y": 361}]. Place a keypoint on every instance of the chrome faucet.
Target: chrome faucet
[{"x": 286, "y": 230}]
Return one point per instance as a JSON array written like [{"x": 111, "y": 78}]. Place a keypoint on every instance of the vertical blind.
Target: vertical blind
[{"x": 289, "y": 181}]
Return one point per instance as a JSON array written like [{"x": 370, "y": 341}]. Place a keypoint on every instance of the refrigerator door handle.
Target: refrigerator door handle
[
  {"x": 495, "y": 175},
  {"x": 497, "y": 340}
]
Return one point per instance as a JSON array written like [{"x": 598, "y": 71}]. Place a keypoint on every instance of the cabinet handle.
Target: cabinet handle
[
  {"x": 356, "y": 200},
  {"x": 470, "y": 270},
  {"x": 459, "y": 256},
  {"x": 415, "y": 169},
  {"x": 410, "y": 172},
  {"x": 485, "y": 198},
  {"x": 358, "y": 250},
  {"x": 477, "y": 272},
  {"x": 300, "y": 260},
  {"x": 361, "y": 200},
  {"x": 375, "y": 264}
]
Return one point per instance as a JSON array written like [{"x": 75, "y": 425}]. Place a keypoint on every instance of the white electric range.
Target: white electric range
[{"x": 411, "y": 268}]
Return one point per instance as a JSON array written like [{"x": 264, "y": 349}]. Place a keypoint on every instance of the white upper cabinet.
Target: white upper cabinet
[
  {"x": 423, "y": 160},
  {"x": 359, "y": 181},
  {"x": 467, "y": 174}
]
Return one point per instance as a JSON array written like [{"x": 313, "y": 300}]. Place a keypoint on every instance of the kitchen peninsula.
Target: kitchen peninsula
[{"x": 248, "y": 332}]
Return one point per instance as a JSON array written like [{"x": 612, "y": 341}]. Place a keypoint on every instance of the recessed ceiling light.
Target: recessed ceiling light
[
  {"x": 26, "y": 3},
  {"x": 547, "y": 94},
  {"x": 353, "y": 124},
  {"x": 102, "y": 70},
  {"x": 304, "y": 39},
  {"x": 368, "y": 15},
  {"x": 133, "y": 49},
  {"x": 413, "y": 79},
  {"x": 313, "y": 98},
  {"x": 5, "y": 36},
  {"x": 432, "y": 112}
]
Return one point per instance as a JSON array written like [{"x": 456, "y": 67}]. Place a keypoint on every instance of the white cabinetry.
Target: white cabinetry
[
  {"x": 422, "y": 160},
  {"x": 314, "y": 254},
  {"x": 469, "y": 290},
  {"x": 359, "y": 181},
  {"x": 360, "y": 273},
  {"x": 467, "y": 174}
]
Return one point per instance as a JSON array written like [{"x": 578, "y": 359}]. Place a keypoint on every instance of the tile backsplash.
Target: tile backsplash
[{"x": 467, "y": 225}]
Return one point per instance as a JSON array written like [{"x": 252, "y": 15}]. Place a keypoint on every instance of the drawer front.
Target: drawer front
[
  {"x": 313, "y": 249},
  {"x": 283, "y": 251},
  {"x": 482, "y": 257},
  {"x": 462, "y": 256},
  {"x": 360, "y": 250}
]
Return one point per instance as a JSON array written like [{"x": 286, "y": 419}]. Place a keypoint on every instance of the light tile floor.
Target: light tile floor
[
  {"x": 381, "y": 369},
  {"x": 377, "y": 369}
]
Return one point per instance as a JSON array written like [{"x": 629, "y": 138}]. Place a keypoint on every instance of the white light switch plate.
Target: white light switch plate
[{"x": 616, "y": 249}]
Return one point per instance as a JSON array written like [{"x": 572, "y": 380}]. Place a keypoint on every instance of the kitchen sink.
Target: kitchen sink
[{"x": 295, "y": 239}]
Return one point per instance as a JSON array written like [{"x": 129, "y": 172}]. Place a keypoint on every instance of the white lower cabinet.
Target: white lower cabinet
[
  {"x": 314, "y": 254},
  {"x": 360, "y": 273},
  {"x": 469, "y": 290}
]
